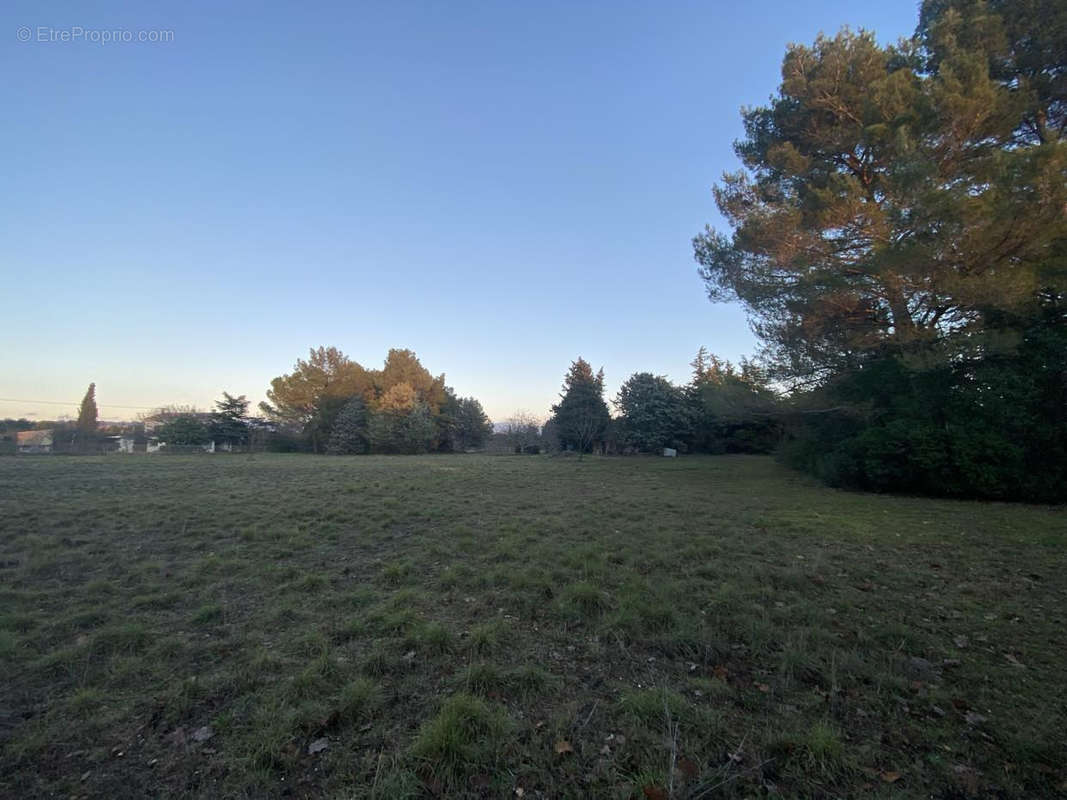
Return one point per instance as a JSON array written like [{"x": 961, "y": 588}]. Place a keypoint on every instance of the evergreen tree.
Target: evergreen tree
[
  {"x": 732, "y": 409},
  {"x": 654, "y": 413},
  {"x": 402, "y": 430},
  {"x": 581, "y": 417},
  {"x": 350, "y": 435},
  {"x": 889, "y": 201},
  {"x": 87, "y": 412},
  {"x": 319, "y": 427},
  {"x": 446, "y": 422},
  {"x": 472, "y": 425},
  {"x": 313, "y": 394},
  {"x": 184, "y": 430},
  {"x": 229, "y": 420}
]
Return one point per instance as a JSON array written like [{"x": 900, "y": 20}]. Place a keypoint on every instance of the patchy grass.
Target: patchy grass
[
  {"x": 466, "y": 737},
  {"x": 465, "y": 626}
]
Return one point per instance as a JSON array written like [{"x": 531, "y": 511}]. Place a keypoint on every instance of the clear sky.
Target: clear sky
[{"x": 499, "y": 186}]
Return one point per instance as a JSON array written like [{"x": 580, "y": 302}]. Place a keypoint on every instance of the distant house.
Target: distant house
[
  {"x": 34, "y": 441},
  {"x": 122, "y": 444}
]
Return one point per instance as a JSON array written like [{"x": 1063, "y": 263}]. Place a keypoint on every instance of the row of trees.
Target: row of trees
[
  {"x": 228, "y": 424},
  {"x": 330, "y": 403},
  {"x": 722, "y": 409},
  {"x": 899, "y": 238},
  {"x": 80, "y": 435}
]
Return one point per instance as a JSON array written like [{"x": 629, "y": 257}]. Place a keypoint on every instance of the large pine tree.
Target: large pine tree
[
  {"x": 894, "y": 196},
  {"x": 900, "y": 241}
]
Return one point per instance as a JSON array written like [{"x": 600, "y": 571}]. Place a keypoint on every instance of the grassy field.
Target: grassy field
[{"x": 466, "y": 626}]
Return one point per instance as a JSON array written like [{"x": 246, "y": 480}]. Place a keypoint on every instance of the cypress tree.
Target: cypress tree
[{"x": 87, "y": 413}]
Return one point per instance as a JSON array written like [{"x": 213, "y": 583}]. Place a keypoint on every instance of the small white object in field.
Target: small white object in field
[
  {"x": 203, "y": 734},
  {"x": 669, "y": 452}
]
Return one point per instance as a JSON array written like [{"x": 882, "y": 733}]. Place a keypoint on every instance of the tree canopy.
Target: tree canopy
[
  {"x": 893, "y": 196},
  {"x": 327, "y": 373},
  {"x": 471, "y": 424},
  {"x": 899, "y": 239},
  {"x": 654, "y": 412},
  {"x": 396, "y": 401},
  {"x": 580, "y": 419},
  {"x": 184, "y": 430},
  {"x": 229, "y": 421}
]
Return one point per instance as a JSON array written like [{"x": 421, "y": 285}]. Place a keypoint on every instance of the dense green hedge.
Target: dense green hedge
[{"x": 992, "y": 427}]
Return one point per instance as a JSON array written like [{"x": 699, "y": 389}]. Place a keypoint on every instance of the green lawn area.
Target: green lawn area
[{"x": 474, "y": 626}]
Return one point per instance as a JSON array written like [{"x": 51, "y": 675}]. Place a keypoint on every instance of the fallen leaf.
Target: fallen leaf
[
  {"x": 318, "y": 746},
  {"x": 688, "y": 767},
  {"x": 961, "y": 641},
  {"x": 890, "y": 777},
  {"x": 563, "y": 747},
  {"x": 1014, "y": 661},
  {"x": 721, "y": 672},
  {"x": 653, "y": 792},
  {"x": 763, "y": 687},
  {"x": 974, "y": 718}
]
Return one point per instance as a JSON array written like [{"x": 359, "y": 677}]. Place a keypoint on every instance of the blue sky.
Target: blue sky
[{"x": 499, "y": 186}]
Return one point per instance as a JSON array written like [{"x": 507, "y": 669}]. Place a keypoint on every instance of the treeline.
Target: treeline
[
  {"x": 327, "y": 404},
  {"x": 80, "y": 435},
  {"x": 899, "y": 238},
  {"x": 723, "y": 409},
  {"x": 332, "y": 404},
  {"x": 229, "y": 424}
]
